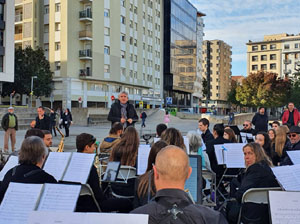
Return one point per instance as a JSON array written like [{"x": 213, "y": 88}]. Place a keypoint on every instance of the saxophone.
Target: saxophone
[{"x": 61, "y": 143}]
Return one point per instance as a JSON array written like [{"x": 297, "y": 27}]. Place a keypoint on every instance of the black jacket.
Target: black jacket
[
  {"x": 196, "y": 213},
  {"x": 67, "y": 118},
  {"x": 115, "y": 113},
  {"x": 53, "y": 118},
  {"x": 43, "y": 124},
  {"x": 285, "y": 159},
  {"x": 260, "y": 122},
  {"x": 250, "y": 131},
  {"x": 210, "y": 150},
  {"x": 5, "y": 122},
  {"x": 25, "y": 174},
  {"x": 207, "y": 136}
]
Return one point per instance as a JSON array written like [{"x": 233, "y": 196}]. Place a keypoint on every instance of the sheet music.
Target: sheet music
[
  {"x": 234, "y": 156},
  {"x": 287, "y": 178},
  {"x": 56, "y": 164},
  {"x": 187, "y": 144},
  {"x": 294, "y": 156},
  {"x": 244, "y": 137},
  {"x": 11, "y": 163},
  {"x": 191, "y": 183},
  {"x": 219, "y": 154},
  {"x": 143, "y": 154},
  {"x": 284, "y": 207},
  {"x": 59, "y": 197},
  {"x": 42, "y": 217},
  {"x": 18, "y": 202},
  {"x": 79, "y": 167},
  {"x": 156, "y": 139}
]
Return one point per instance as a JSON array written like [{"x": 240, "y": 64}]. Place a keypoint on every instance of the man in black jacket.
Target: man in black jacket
[
  {"x": 260, "y": 120},
  {"x": 206, "y": 134},
  {"x": 122, "y": 111},
  {"x": 171, "y": 203},
  {"x": 42, "y": 121},
  {"x": 10, "y": 126}
]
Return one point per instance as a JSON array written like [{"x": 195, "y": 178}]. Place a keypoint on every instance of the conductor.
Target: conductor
[{"x": 122, "y": 111}]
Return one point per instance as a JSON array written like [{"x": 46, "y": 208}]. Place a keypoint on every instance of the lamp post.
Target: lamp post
[{"x": 31, "y": 90}]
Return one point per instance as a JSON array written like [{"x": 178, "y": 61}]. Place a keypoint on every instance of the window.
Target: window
[
  {"x": 273, "y": 46},
  {"x": 57, "y": 27},
  {"x": 123, "y": 37},
  {"x": 135, "y": 42},
  {"x": 273, "y": 66},
  {"x": 254, "y": 67},
  {"x": 131, "y": 24},
  {"x": 123, "y": 54},
  {"x": 131, "y": 40},
  {"x": 106, "y": 68},
  {"x": 46, "y": 28},
  {"x": 254, "y": 48},
  {"x": 57, "y": 46},
  {"x": 263, "y": 47},
  {"x": 106, "y": 12},
  {"x": 106, "y": 50},
  {"x": 122, "y": 3},
  {"x": 255, "y": 58},
  {"x": 263, "y": 67},
  {"x": 57, "y": 7},
  {"x": 263, "y": 57},
  {"x": 106, "y": 31},
  {"x": 1, "y": 64},
  {"x": 57, "y": 65},
  {"x": 286, "y": 46},
  {"x": 273, "y": 57},
  {"x": 46, "y": 9},
  {"x": 123, "y": 21},
  {"x": 123, "y": 71},
  {"x": 297, "y": 45}
]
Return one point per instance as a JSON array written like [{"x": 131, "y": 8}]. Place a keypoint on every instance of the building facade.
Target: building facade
[
  {"x": 278, "y": 53},
  {"x": 182, "y": 80},
  {"x": 217, "y": 72},
  {"x": 7, "y": 59},
  {"x": 97, "y": 49}
]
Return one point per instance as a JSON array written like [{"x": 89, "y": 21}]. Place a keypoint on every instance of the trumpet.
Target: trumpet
[{"x": 61, "y": 143}]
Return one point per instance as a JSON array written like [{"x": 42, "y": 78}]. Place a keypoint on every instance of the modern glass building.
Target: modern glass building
[{"x": 180, "y": 52}]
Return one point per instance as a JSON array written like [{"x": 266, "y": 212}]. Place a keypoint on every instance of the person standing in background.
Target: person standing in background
[
  {"x": 67, "y": 120},
  {"x": 167, "y": 118},
  {"x": 143, "y": 116},
  {"x": 260, "y": 120},
  {"x": 53, "y": 115},
  {"x": 291, "y": 116},
  {"x": 42, "y": 121},
  {"x": 10, "y": 126}
]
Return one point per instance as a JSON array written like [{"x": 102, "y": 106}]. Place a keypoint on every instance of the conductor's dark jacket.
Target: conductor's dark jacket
[
  {"x": 115, "y": 113},
  {"x": 43, "y": 124},
  {"x": 25, "y": 173}
]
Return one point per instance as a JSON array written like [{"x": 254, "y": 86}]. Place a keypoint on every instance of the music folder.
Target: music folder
[{"x": 11, "y": 163}]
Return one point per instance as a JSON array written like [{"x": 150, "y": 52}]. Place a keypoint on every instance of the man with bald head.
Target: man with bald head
[{"x": 171, "y": 203}]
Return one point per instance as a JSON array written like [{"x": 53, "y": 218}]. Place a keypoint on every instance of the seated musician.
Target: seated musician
[
  {"x": 112, "y": 139},
  {"x": 32, "y": 155},
  {"x": 258, "y": 174},
  {"x": 85, "y": 143}
]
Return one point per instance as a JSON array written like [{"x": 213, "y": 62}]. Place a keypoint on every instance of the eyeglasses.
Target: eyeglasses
[
  {"x": 292, "y": 135},
  {"x": 245, "y": 125}
]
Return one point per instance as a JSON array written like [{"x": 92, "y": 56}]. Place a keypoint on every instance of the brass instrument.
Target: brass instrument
[{"x": 61, "y": 143}]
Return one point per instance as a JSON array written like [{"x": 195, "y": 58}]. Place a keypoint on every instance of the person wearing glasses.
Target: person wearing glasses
[
  {"x": 293, "y": 144},
  {"x": 247, "y": 128}
]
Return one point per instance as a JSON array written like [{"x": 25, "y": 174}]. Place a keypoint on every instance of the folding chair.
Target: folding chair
[
  {"x": 210, "y": 200},
  {"x": 256, "y": 195},
  {"x": 86, "y": 190}
]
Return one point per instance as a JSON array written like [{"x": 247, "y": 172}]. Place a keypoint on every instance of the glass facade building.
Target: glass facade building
[{"x": 180, "y": 51}]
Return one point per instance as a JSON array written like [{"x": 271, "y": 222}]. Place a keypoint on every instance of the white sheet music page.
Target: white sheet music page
[
  {"x": 234, "y": 156},
  {"x": 143, "y": 154},
  {"x": 59, "y": 197},
  {"x": 18, "y": 202},
  {"x": 156, "y": 139},
  {"x": 219, "y": 154},
  {"x": 294, "y": 156},
  {"x": 56, "y": 164},
  {"x": 11, "y": 163},
  {"x": 244, "y": 137},
  {"x": 284, "y": 207},
  {"x": 187, "y": 144},
  {"x": 79, "y": 167},
  {"x": 285, "y": 175}
]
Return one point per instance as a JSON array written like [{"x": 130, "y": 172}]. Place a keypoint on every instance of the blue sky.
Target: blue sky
[{"x": 238, "y": 21}]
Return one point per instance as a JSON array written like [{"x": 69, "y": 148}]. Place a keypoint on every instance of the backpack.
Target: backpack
[{"x": 174, "y": 213}]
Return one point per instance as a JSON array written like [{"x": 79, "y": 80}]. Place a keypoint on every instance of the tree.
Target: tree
[
  {"x": 28, "y": 63},
  {"x": 263, "y": 89},
  {"x": 231, "y": 98}
]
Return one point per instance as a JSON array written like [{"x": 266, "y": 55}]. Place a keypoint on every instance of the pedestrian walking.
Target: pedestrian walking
[
  {"x": 67, "y": 120},
  {"x": 143, "y": 116},
  {"x": 231, "y": 117},
  {"x": 9, "y": 124},
  {"x": 167, "y": 118},
  {"x": 53, "y": 115}
]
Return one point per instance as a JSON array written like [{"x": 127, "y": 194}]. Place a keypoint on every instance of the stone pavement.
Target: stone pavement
[{"x": 101, "y": 131}]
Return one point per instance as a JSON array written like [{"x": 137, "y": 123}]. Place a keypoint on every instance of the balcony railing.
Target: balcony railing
[
  {"x": 85, "y": 34},
  {"x": 85, "y": 72},
  {"x": 19, "y": 18},
  {"x": 18, "y": 36},
  {"x": 85, "y": 14},
  {"x": 85, "y": 53},
  {"x": 287, "y": 61}
]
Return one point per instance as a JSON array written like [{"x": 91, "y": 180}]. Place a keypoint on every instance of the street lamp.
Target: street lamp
[{"x": 31, "y": 90}]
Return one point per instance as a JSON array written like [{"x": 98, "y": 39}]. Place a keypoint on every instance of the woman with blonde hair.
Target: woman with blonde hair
[{"x": 281, "y": 141}]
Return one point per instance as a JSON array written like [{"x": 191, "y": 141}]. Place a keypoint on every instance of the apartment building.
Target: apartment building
[
  {"x": 217, "y": 72},
  {"x": 97, "y": 48},
  {"x": 7, "y": 59},
  {"x": 278, "y": 53},
  {"x": 183, "y": 35}
]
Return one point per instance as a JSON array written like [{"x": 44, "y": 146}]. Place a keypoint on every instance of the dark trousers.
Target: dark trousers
[
  {"x": 67, "y": 126},
  {"x": 143, "y": 122},
  {"x": 52, "y": 128}
]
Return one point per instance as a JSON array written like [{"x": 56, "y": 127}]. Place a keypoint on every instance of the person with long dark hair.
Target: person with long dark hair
[
  {"x": 263, "y": 139},
  {"x": 173, "y": 137},
  {"x": 67, "y": 121}
]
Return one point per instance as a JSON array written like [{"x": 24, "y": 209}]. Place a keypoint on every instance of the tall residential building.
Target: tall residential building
[
  {"x": 217, "y": 72},
  {"x": 98, "y": 48},
  {"x": 7, "y": 59},
  {"x": 278, "y": 53},
  {"x": 182, "y": 80}
]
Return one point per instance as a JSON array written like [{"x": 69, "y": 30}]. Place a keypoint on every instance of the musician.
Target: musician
[
  {"x": 42, "y": 121},
  {"x": 122, "y": 111},
  {"x": 112, "y": 139},
  {"x": 32, "y": 155},
  {"x": 47, "y": 138}
]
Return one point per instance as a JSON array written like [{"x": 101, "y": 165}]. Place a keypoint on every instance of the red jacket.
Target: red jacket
[{"x": 286, "y": 114}]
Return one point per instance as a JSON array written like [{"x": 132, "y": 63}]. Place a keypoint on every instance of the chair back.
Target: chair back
[
  {"x": 126, "y": 173},
  {"x": 86, "y": 190},
  {"x": 258, "y": 195}
]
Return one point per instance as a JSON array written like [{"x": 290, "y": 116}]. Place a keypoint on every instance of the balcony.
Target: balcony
[
  {"x": 287, "y": 61},
  {"x": 85, "y": 72},
  {"x": 18, "y": 18},
  {"x": 85, "y": 15},
  {"x": 85, "y": 54},
  {"x": 85, "y": 35},
  {"x": 18, "y": 36},
  {"x": 86, "y": 1}
]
